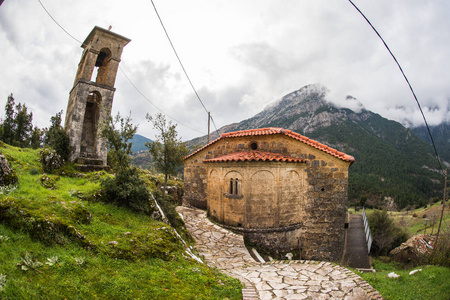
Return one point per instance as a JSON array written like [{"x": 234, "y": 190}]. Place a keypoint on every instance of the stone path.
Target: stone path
[{"x": 292, "y": 279}]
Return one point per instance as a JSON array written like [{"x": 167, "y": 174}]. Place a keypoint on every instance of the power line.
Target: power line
[
  {"x": 407, "y": 81},
  {"x": 217, "y": 132},
  {"x": 176, "y": 54},
  {"x": 145, "y": 97},
  {"x": 129, "y": 80},
  {"x": 58, "y": 23},
  {"x": 179, "y": 60}
]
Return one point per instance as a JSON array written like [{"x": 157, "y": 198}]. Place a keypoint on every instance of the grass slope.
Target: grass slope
[
  {"x": 56, "y": 243},
  {"x": 433, "y": 282},
  {"x": 430, "y": 283}
]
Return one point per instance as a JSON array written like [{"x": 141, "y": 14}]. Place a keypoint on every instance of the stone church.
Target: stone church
[{"x": 285, "y": 192}]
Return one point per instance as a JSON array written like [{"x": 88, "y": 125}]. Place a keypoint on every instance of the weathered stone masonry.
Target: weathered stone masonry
[
  {"x": 285, "y": 192},
  {"x": 90, "y": 102}
]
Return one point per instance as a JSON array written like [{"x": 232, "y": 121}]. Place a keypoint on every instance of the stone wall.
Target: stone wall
[{"x": 75, "y": 119}]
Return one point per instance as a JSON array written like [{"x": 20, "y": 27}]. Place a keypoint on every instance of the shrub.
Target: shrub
[
  {"x": 128, "y": 190},
  {"x": 386, "y": 235},
  {"x": 57, "y": 138},
  {"x": 441, "y": 253},
  {"x": 60, "y": 143}
]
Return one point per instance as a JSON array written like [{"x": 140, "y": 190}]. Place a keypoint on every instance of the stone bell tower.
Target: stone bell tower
[{"x": 90, "y": 101}]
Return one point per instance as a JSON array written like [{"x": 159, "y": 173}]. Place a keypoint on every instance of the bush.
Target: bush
[
  {"x": 386, "y": 235},
  {"x": 441, "y": 253},
  {"x": 60, "y": 142},
  {"x": 57, "y": 138},
  {"x": 128, "y": 190}
]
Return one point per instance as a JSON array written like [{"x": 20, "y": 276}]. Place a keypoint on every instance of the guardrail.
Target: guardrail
[{"x": 367, "y": 231}]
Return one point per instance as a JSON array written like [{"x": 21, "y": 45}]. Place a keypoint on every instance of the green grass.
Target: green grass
[
  {"x": 100, "y": 277},
  {"x": 126, "y": 255},
  {"x": 433, "y": 282},
  {"x": 419, "y": 220}
]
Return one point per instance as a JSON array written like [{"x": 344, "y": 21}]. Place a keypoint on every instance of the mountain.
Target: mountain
[
  {"x": 441, "y": 138},
  {"x": 391, "y": 161},
  {"x": 139, "y": 143},
  {"x": 141, "y": 157}
]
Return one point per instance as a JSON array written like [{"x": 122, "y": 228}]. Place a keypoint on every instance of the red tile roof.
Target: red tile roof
[
  {"x": 289, "y": 133},
  {"x": 255, "y": 155}
]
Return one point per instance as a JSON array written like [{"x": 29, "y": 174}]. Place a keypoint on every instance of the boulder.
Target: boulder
[
  {"x": 51, "y": 160},
  {"x": 7, "y": 175},
  {"x": 414, "y": 249}
]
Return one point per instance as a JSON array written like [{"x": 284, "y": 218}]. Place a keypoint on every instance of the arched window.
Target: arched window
[
  {"x": 231, "y": 186},
  {"x": 90, "y": 123},
  {"x": 102, "y": 63}
]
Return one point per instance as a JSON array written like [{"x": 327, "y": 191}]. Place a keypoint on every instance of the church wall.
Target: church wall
[{"x": 284, "y": 207}]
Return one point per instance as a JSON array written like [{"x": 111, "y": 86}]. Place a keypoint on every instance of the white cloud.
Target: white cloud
[{"x": 240, "y": 56}]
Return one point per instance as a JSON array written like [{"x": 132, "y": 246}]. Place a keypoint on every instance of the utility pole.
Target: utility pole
[
  {"x": 209, "y": 119},
  {"x": 442, "y": 211}
]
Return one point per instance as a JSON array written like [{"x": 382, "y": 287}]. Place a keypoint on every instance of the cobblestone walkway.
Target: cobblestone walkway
[{"x": 293, "y": 279}]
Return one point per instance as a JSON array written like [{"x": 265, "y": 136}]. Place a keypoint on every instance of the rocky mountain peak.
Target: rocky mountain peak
[{"x": 305, "y": 110}]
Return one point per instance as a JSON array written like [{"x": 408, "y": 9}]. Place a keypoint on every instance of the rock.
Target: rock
[
  {"x": 48, "y": 182},
  {"x": 415, "y": 271},
  {"x": 51, "y": 160},
  {"x": 414, "y": 249},
  {"x": 7, "y": 175},
  {"x": 393, "y": 275}
]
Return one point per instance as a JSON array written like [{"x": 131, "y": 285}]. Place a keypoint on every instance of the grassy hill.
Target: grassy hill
[{"x": 58, "y": 242}]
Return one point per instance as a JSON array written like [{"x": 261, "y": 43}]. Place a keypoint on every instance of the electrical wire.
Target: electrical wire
[
  {"x": 407, "y": 81},
  {"x": 145, "y": 97},
  {"x": 48, "y": 13},
  {"x": 129, "y": 80},
  {"x": 179, "y": 60}
]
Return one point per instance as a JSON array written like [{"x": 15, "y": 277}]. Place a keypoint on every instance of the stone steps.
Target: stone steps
[
  {"x": 90, "y": 168},
  {"x": 89, "y": 161}
]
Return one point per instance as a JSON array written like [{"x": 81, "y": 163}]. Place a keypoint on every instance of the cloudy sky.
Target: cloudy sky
[{"x": 241, "y": 55}]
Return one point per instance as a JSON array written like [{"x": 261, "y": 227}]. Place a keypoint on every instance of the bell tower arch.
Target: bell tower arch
[{"x": 90, "y": 101}]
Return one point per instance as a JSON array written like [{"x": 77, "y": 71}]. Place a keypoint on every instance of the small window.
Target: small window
[
  {"x": 253, "y": 146},
  {"x": 231, "y": 186},
  {"x": 235, "y": 187}
]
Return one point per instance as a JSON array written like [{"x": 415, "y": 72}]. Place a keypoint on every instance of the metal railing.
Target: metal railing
[{"x": 367, "y": 231}]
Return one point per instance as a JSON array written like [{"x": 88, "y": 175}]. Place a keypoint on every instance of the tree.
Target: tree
[
  {"x": 56, "y": 137},
  {"x": 36, "y": 137},
  {"x": 8, "y": 125},
  {"x": 118, "y": 141},
  {"x": 167, "y": 150},
  {"x": 23, "y": 126},
  {"x": 17, "y": 126},
  {"x": 125, "y": 188}
]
